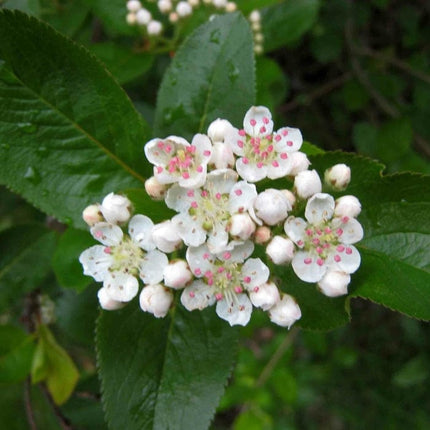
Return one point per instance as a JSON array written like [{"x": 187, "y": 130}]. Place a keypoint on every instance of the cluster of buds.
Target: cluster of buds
[
  {"x": 210, "y": 183},
  {"x": 177, "y": 10}
]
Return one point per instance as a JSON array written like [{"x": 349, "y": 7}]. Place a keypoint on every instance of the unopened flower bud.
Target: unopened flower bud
[
  {"x": 338, "y": 176},
  {"x": 256, "y": 26},
  {"x": 133, "y": 5},
  {"x": 173, "y": 17},
  {"x": 106, "y": 302},
  {"x": 307, "y": 183},
  {"x": 280, "y": 250},
  {"x": 177, "y": 274},
  {"x": 334, "y": 284},
  {"x": 299, "y": 162},
  {"x": 154, "y": 28},
  {"x": 143, "y": 16},
  {"x": 219, "y": 3},
  {"x": 265, "y": 296},
  {"x": 272, "y": 206},
  {"x": 258, "y": 48},
  {"x": 262, "y": 235},
  {"x": 286, "y": 312},
  {"x": 116, "y": 209},
  {"x": 218, "y": 129},
  {"x": 194, "y": 3},
  {"x": 184, "y": 9},
  {"x": 255, "y": 16},
  {"x": 156, "y": 299},
  {"x": 241, "y": 226},
  {"x": 92, "y": 215},
  {"x": 290, "y": 196},
  {"x": 347, "y": 206},
  {"x": 154, "y": 189},
  {"x": 131, "y": 18},
  {"x": 222, "y": 156},
  {"x": 166, "y": 237},
  {"x": 164, "y": 6},
  {"x": 231, "y": 6}
]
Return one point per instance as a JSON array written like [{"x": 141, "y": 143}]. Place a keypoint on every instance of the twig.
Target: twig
[
  {"x": 64, "y": 422},
  {"x": 28, "y": 406}
]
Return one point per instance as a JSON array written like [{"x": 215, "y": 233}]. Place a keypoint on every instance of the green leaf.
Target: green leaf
[
  {"x": 394, "y": 139},
  {"x": 65, "y": 261},
  {"x": 163, "y": 373},
  {"x": 52, "y": 364},
  {"x": 16, "y": 353},
  {"x": 68, "y": 133},
  {"x": 25, "y": 260},
  {"x": 284, "y": 23},
  {"x": 395, "y": 268},
  {"x": 211, "y": 76}
]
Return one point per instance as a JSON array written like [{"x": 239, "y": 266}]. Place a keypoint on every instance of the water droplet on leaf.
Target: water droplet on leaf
[
  {"x": 27, "y": 127},
  {"x": 5, "y": 146},
  {"x": 233, "y": 72},
  {"x": 32, "y": 175},
  {"x": 215, "y": 36}
]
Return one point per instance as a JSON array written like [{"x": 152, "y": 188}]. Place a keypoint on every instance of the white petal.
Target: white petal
[
  {"x": 121, "y": 286},
  {"x": 235, "y": 141},
  {"x": 152, "y": 266},
  {"x": 190, "y": 231},
  {"x": 305, "y": 266},
  {"x": 286, "y": 312},
  {"x": 195, "y": 180},
  {"x": 107, "y": 234},
  {"x": 250, "y": 172},
  {"x": 155, "y": 153},
  {"x": 242, "y": 197},
  {"x": 352, "y": 229},
  {"x": 96, "y": 262},
  {"x": 221, "y": 180},
  {"x": 334, "y": 283},
  {"x": 198, "y": 295},
  {"x": 258, "y": 121},
  {"x": 179, "y": 199},
  {"x": 203, "y": 147},
  {"x": 279, "y": 168},
  {"x": 320, "y": 208},
  {"x": 295, "y": 230},
  {"x": 345, "y": 258},
  {"x": 106, "y": 302},
  {"x": 254, "y": 273},
  {"x": 265, "y": 296},
  {"x": 218, "y": 238},
  {"x": 289, "y": 140},
  {"x": 156, "y": 299},
  {"x": 241, "y": 251},
  {"x": 140, "y": 229},
  {"x": 236, "y": 312},
  {"x": 200, "y": 260}
]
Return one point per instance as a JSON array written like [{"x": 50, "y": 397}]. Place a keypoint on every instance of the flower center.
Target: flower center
[
  {"x": 126, "y": 257},
  {"x": 225, "y": 279}
]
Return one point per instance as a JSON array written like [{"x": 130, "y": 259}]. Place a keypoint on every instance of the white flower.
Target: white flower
[
  {"x": 265, "y": 296},
  {"x": 347, "y": 206},
  {"x": 131, "y": 18},
  {"x": 307, "y": 183},
  {"x": 225, "y": 278},
  {"x": 122, "y": 258},
  {"x": 280, "y": 250},
  {"x": 164, "y": 6},
  {"x": 263, "y": 153},
  {"x": 184, "y": 9},
  {"x": 116, "y": 208},
  {"x": 231, "y": 6},
  {"x": 262, "y": 234},
  {"x": 154, "y": 28},
  {"x": 92, "y": 215},
  {"x": 154, "y": 189},
  {"x": 219, "y": 3},
  {"x": 286, "y": 312},
  {"x": 194, "y": 3},
  {"x": 176, "y": 160},
  {"x": 177, "y": 274},
  {"x": 272, "y": 206},
  {"x": 166, "y": 237},
  {"x": 222, "y": 156},
  {"x": 324, "y": 242},
  {"x": 217, "y": 129},
  {"x": 241, "y": 226},
  {"x": 255, "y": 16},
  {"x": 133, "y": 5},
  {"x": 290, "y": 196},
  {"x": 334, "y": 283},
  {"x": 143, "y": 16},
  {"x": 106, "y": 302},
  {"x": 299, "y": 163},
  {"x": 156, "y": 299},
  {"x": 338, "y": 176},
  {"x": 207, "y": 211}
]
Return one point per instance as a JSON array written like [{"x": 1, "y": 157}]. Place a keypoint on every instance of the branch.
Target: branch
[
  {"x": 28, "y": 406},
  {"x": 63, "y": 421}
]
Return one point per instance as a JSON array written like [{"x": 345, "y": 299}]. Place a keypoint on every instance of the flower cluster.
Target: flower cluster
[
  {"x": 179, "y": 10},
  {"x": 206, "y": 250}
]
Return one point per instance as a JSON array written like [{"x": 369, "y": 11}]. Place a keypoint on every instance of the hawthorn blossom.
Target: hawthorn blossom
[
  {"x": 324, "y": 242},
  {"x": 207, "y": 211},
  {"x": 122, "y": 258},
  {"x": 227, "y": 279},
  {"x": 176, "y": 160},
  {"x": 263, "y": 153}
]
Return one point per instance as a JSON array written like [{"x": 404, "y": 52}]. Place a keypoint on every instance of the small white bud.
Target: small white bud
[
  {"x": 256, "y": 26},
  {"x": 262, "y": 235},
  {"x": 154, "y": 28},
  {"x": 307, "y": 183},
  {"x": 177, "y": 274},
  {"x": 280, "y": 250},
  {"x": 258, "y": 49},
  {"x": 265, "y": 296},
  {"x": 131, "y": 18},
  {"x": 222, "y": 156},
  {"x": 156, "y": 299},
  {"x": 184, "y": 9},
  {"x": 106, "y": 302},
  {"x": 154, "y": 189},
  {"x": 231, "y": 6},
  {"x": 116, "y": 209},
  {"x": 219, "y": 3},
  {"x": 299, "y": 162},
  {"x": 143, "y": 16},
  {"x": 241, "y": 226},
  {"x": 338, "y": 176},
  {"x": 272, "y": 206},
  {"x": 258, "y": 37},
  {"x": 194, "y": 3},
  {"x": 255, "y": 16},
  {"x": 166, "y": 237},
  {"x": 286, "y": 312},
  {"x": 173, "y": 17},
  {"x": 347, "y": 206},
  {"x": 334, "y": 284},
  {"x": 290, "y": 196},
  {"x": 164, "y": 6},
  {"x": 133, "y": 5},
  {"x": 218, "y": 129},
  {"x": 92, "y": 215}
]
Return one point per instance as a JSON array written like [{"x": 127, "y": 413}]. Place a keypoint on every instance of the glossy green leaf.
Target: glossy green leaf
[
  {"x": 16, "y": 353},
  {"x": 163, "y": 373},
  {"x": 68, "y": 133},
  {"x": 53, "y": 365},
  {"x": 211, "y": 76},
  {"x": 25, "y": 260},
  {"x": 287, "y": 21}
]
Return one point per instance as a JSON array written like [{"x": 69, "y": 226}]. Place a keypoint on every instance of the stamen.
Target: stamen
[
  {"x": 307, "y": 260},
  {"x": 253, "y": 122},
  {"x": 348, "y": 251}
]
